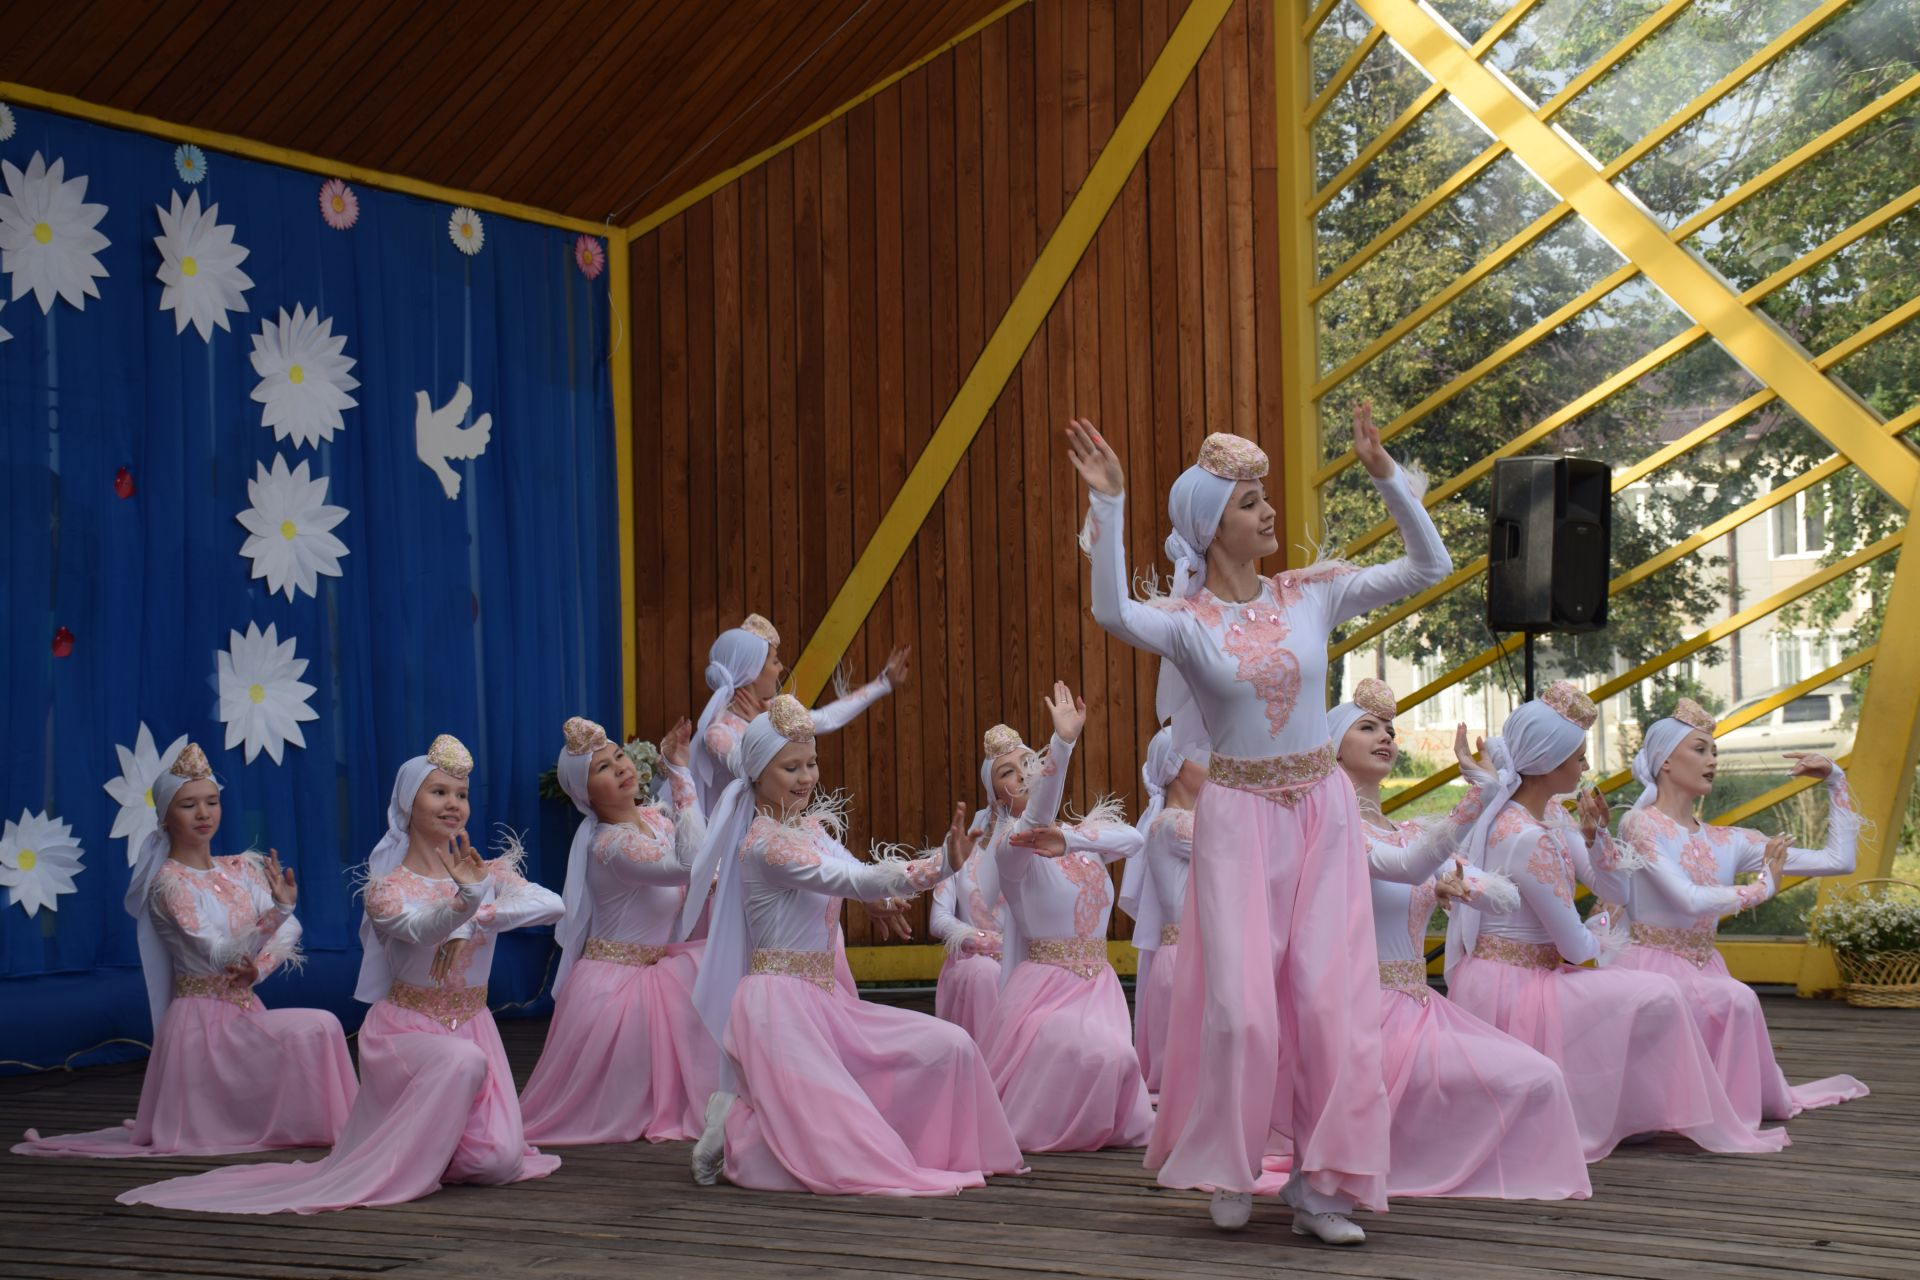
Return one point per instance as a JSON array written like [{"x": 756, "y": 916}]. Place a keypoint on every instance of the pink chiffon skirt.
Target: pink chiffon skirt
[
  {"x": 1060, "y": 1048},
  {"x": 435, "y": 1106},
  {"x": 968, "y": 991},
  {"x": 1273, "y": 1038},
  {"x": 842, "y": 1097},
  {"x": 1727, "y": 1014},
  {"x": 1633, "y": 1062},
  {"x": 626, "y": 1057},
  {"x": 222, "y": 1080},
  {"x": 1152, "y": 1009}
]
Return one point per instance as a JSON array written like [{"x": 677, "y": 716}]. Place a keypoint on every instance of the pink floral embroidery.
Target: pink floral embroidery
[
  {"x": 626, "y": 841},
  {"x": 681, "y": 787},
  {"x": 723, "y": 733},
  {"x": 177, "y": 900},
  {"x": 1419, "y": 911},
  {"x": 1839, "y": 794},
  {"x": 1291, "y": 587},
  {"x": 1095, "y": 892},
  {"x": 778, "y": 845},
  {"x": 1547, "y": 863},
  {"x": 924, "y": 873},
  {"x": 1258, "y": 641},
  {"x": 1468, "y": 811},
  {"x": 1511, "y": 822},
  {"x": 1696, "y": 857},
  {"x": 504, "y": 876},
  {"x": 484, "y": 916},
  {"x": 1179, "y": 822},
  {"x": 228, "y": 885},
  {"x": 1049, "y": 767},
  {"x": 1203, "y": 607}
]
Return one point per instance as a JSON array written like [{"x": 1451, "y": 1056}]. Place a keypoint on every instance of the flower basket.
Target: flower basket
[{"x": 1875, "y": 936}]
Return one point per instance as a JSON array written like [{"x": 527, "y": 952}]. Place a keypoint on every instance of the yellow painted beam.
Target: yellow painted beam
[
  {"x": 1763, "y": 960},
  {"x": 1343, "y": 74},
  {"x": 1007, "y": 344},
  {"x": 686, "y": 200},
  {"x": 27, "y": 95},
  {"x": 921, "y": 962},
  {"x": 1299, "y": 334},
  {"x": 1751, "y": 338},
  {"x": 620, "y": 370}
]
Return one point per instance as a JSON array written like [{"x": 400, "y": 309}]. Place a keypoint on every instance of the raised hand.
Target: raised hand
[
  {"x": 1595, "y": 813},
  {"x": 898, "y": 666},
  {"x": 676, "y": 747},
  {"x": 959, "y": 840},
  {"x": 1452, "y": 887},
  {"x": 280, "y": 881},
  {"x": 1094, "y": 459},
  {"x": 1069, "y": 713},
  {"x": 1807, "y": 764},
  {"x": 1774, "y": 856},
  {"x": 461, "y": 861},
  {"x": 889, "y": 919},
  {"x": 1366, "y": 443},
  {"x": 1048, "y": 842},
  {"x": 244, "y": 971}
]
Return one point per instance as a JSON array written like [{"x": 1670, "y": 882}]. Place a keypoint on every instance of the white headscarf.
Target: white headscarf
[
  {"x": 735, "y": 661},
  {"x": 376, "y": 976},
  {"x": 1195, "y": 505},
  {"x": 1137, "y": 897},
  {"x": 1343, "y": 718},
  {"x": 1536, "y": 739},
  {"x": 584, "y": 740},
  {"x": 1662, "y": 740},
  {"x": 156, "y": 962}
]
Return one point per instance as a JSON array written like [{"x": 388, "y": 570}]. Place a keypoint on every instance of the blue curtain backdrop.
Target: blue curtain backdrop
[{"x": 492, "y": 617}]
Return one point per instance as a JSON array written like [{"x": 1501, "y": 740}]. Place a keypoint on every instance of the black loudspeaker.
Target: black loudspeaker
[{"x": 1550, "y": 544}]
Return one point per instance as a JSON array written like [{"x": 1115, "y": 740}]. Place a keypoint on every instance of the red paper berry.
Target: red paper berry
[
  {"x": 123, "y": 483},
  {"x": 62, "y": 642}
]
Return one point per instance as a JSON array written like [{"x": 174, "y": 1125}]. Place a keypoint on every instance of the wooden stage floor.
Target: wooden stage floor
[{"x": 1842, "y": 1201}]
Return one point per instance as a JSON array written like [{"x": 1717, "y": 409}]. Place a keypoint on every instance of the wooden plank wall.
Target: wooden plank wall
[{"x": 797, "y": 336}]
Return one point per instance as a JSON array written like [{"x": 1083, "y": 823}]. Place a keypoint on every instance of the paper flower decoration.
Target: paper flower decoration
[
  {"x": 190, "y": 162},
  {"x": 304, "y": 378},
  {"x": 38, "y": 860},
  {"x": 6, "y": 122},
  {"x": 339, "y": 207},
  {"x": 140, "y": 768},
  {"x": 589, "y": 257},
  {"x": 200, "y": 266},
  {"x": 262, "y": 699},
  {"x": 47, "y": 236},
  {"x": 466, "y": 232},
  {"x": 289, "y": 521},
  {"x": 438, "y": 436}
]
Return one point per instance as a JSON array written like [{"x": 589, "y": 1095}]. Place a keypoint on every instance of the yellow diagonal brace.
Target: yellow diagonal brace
[
  {"x": 1007, "y": 344},
  {"x": 1345, "y": 73},
  {"x": 1751, "y": 339}
]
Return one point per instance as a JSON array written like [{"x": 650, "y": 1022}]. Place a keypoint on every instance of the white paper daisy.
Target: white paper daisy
[
  {"x": 465, "y": 231},
  {"x": 6, "y": 122},
  {"x": 289, "y": 521},
  {"x": 200, "y": 266},
  {"x": 38, "y": 860},
  {"x": 304, "y": 378},
  {"x": 262, "y": 699},
  {"x": 140, "y": 768},
  {"x": 47, "y": 236}
]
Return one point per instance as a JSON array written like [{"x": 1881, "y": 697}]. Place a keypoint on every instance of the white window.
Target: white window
[
  {"x": 1797, "y": 528},
  {"x": 1797, "y": 656}
]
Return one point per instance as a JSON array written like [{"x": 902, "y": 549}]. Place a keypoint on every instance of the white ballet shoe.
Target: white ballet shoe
[
  {"x": 1231, "y": 1209},
  {"x": 1332, "y": 1228},
  {"x": 710, "y": 1153}
]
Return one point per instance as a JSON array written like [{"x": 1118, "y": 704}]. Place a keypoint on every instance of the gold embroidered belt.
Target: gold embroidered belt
[
  {"x": 448, "y": 1006},
  {"x": 1085, "y": 957},
  {"x": 1285, "y": 780},
  {"x": 1169, "y": 935},
  {"x": 1527, "y": 955},
  {"x": 1694, "y": 945},
  {"x": 813, "y": 966},
  {"x": 1408, "y": 977},
  {"x": 213, "y": 986},
  {"x": 637, "y": 954}
]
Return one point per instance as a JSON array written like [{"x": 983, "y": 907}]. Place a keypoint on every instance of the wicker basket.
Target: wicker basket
[{"x": 1880, "y": 979}]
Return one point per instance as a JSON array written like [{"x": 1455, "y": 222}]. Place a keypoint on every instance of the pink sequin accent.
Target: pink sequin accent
[
  {"x": 1096, "y": 891},
  {"x": 1291, "y": 586},
  {"x": 1257, "y": 640},
  {"x": 779, "y": 845},
  {"x": 682, "y": 788},
  {"x": 1547, "y": 863},
  {"x": 176, "y": 898},
  {"x": 626, "y": 841},
  {"x": 1696, "y": 857},
  {"x": 924, "y": 873},
  {"x": 1203, "y": 607}
]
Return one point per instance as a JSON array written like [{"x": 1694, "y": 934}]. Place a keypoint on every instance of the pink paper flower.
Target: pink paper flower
[
  {"x": 589, "y": 257},
  {"x": 338, "y": 205}
]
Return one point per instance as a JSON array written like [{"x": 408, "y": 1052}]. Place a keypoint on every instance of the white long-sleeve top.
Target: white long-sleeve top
[
  {"x": 1249, "y": 664},
  {"x": 1545, "y": 862},
  {"x": 414, "y": 914},
  {"x": 796, "y": 875},
  {"x": 1070, "y": 896},
  {"x": 1169, "y": 855},
  {"x": 638, "y": 877},
  {"x": 724, "y": 733},
  {"x": 209, "y": 919},
  {"x": 1401, "y": 863},
  {"x": 960, "y": 909},
  {"x": 1688, "y": 881}
]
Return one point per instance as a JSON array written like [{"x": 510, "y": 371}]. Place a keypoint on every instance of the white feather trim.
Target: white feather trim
[
  {"x": 292, "y": 958},
  {"x": 1107, "y": 811},
  {"x": 1085, "y": 536},
  {"x": 842, "y": 683},
  {"x": 1493, "y": 893},
  {"x": 509, "y": 853},
  {"x": 829, "y": 809}
]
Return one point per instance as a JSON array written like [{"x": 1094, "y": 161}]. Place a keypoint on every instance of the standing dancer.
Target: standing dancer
[
  {"x": 1276, "y": 1024},
  {"x": 226, "y": 1074},
  {"x": 821, "y": 1091},
  {"x": 1154, "y": 891},
  {"x": 625, "y": 1056},
  {"x": 1060, "y": 1046},
  {"x": 1633, "y": 1060},
  {"x": 436, "y": 1097},
  {"x": 1688, "y": 884},
  {"x": 962, "y": 918}
]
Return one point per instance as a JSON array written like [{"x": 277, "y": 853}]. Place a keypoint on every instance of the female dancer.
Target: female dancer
[
  {"x": 820, "y": 1091},
  {"x": 1059, "y": 1046},
  {"x": 1688, "y": 884},
  {"x": 625, "y": 1057},
  {"x": 1154, "y": 891},
  {"x": 962, "y": 918},
  {"x": 1277, "y": 1016},
  {"x": 1475, "y": 1112},
  {"x": 1633, "y": 1060},
  {"x": 436, "y": 1097},
  {"x": 227, "y": 1074}
]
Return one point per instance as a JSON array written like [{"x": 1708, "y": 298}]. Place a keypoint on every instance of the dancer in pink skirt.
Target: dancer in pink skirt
[
  {"x": 227, "y": 1074},
  {"x": 625, "y": 1056},
  {"x": 1688, "y": 884},
  {"x": 1633, "y": 1060},
  {"x": 436, "y": 1097},
  {"x": 1153, "y": 889},
  {"x": 821, "y": 1091},
  {"x": 1276, "y": 1017},
  {"x": 962, "y": 918},
  {"x": 1060, "y": 1046}
]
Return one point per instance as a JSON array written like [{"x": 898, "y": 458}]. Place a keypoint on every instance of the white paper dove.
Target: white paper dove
[{"x": 438, "y": 436}]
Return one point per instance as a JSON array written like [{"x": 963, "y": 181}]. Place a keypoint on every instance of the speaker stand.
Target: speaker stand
[{"x": 1529, "y": 667}]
